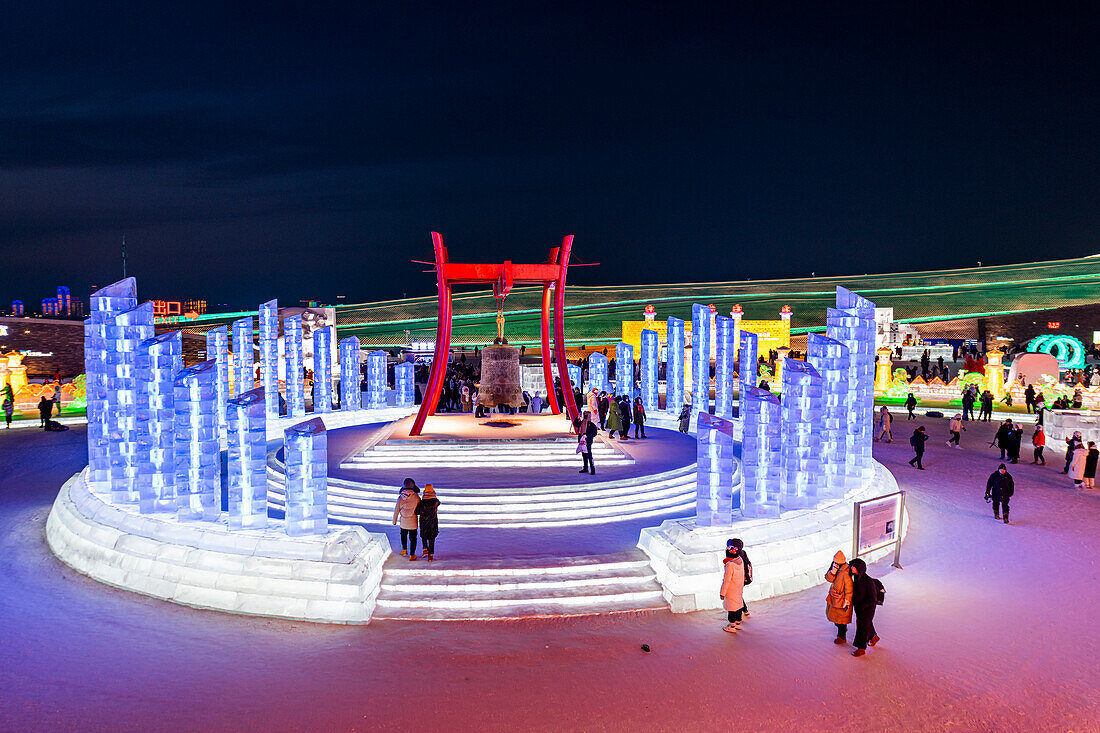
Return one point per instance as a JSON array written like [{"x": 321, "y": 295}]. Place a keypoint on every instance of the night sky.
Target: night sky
[{"x": 307, "y": 151}]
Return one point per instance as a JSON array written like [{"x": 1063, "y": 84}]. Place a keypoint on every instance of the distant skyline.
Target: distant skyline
[{"x": 309, "y": 152}]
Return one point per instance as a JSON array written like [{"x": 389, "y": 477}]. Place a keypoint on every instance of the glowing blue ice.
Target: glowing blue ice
[
  {"x": 376, "y": 380},
  {"x": 269, "y": 355},
  {"x": 217, "y": 348},
  {"x": 246, "y": 448},
  {"x": 800, "y": 424},
  {"x": 624, "y": 370},
  {"x": 650, "y": 385},
  {"x": 351, "y": 398},
  {"x": 574, "y": 372},
  {"x": 714, "y": 499},
  {"x": 404, "y": 377},
  {"x": 306, "y": 449},
  {"x": 852, "y": 323},
  {"x": 106, "y": 304},
  {"x": 125, "y": 334},
  {"x": 760, "y": 452},
  {"x": 597, "y": 372},
  {"x": 747, "y": 374},
  {"x": 700, "y": 357},
  {"x": 322, "y": 369},
  {"x": 295, "y": 384},
  {"x": 244, "y": 357},
  {"x": 830, "y": 358},
  {"x": 724, "y": 349},
  {"x": 674, "y": 367},
  {"x": 198, "y": 450},
  {"x": 159, "y": 360}
]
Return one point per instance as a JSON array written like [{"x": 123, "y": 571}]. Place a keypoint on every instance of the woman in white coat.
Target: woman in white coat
[
  {"x": 733, "y": 583},
  {"x": 1077, "y": 465}
]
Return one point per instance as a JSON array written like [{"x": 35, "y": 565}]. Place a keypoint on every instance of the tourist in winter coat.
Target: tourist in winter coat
[
  {"x": 747, "y": 563},
  {"x": 1077, "y": 466},
  {"x": 625, "y": 412},
  {"x": 917, "y": 441},
  {"x": 838, "y": 602},
  {"x": 9, "y": 408},
  {"x": 731, "y": 592},
  {"x": 911, "y": 404},
  {"x": 405, "y": 513},
  {"x": 864, "y": 603},
  {"x": 427, "y": 513},
  {"x": 593, "y": 402},
  {"x": 968, "y": 398},
  {"x": 685, "y": 418},
  {"x": 885, "y": 419},
  {"x": 639, "y": 417},
  {"x": 603, "y": 406},
  {"x": 614, "y": 420},
  {"x": 1001, "y": 438},
  {"x": 1038, "y": 442},
  {"x": 1072, "y": 443},
  {"x": 1015, "y": 437},
  {"x": 999, "y": 489},
  {"x": 955, "y": 427},
  {"x": 586, "y": 433},
  {"x": 987, "y": 406}
]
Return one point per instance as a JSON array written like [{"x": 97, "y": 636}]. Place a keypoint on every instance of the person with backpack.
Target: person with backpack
[
  {"x": 865, "y": 599},
  {"x": 735, "y": 542},
  {"x": 427, "y": 512},
  {"x": 405, "y": 512},
  {"x": 731, "y": 592},
  {"x": 838, "y": 602},
  {"x": 917, "y": 441},
  {"x": 999, "y": 489}
]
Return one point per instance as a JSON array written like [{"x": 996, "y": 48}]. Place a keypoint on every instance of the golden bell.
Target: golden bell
[{"x": 500, "y": 377}]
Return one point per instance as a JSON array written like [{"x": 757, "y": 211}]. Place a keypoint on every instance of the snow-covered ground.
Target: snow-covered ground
[{"x": 988, "y": 627}]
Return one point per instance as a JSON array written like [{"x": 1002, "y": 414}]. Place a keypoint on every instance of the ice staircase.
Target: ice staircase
[
  {"x": 483, "y": 454},
  {"x": 543, "y": 587},
  {"x": 663, "y": 494}
]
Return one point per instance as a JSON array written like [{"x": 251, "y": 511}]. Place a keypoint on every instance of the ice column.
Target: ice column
[
  {"x": 746, "y": 367},
  {"x": 830, "y": 358},
  {"x": 322, "y": 369},
  {"x": 597, "y": 372},
  {"x": 674, "y": 367},
  {"x": 292, "y": 348},
  {"x": 376, "y": 380},
  {"x": 306, "y": 450},
  {"x": 404, "y": 377},
  {"x": 246, "y": 418},
  {"x": 269, "y": 355},
  {"x": 624, "y": 370},
  {"x": 852, "y": 323},
  {"x": 801, "y": 429},
  {"x": 649, "y": 371},
  {"x": 724, "y": 348},
  {"x": 700, "y": 357},
  {"x": 574, "y": 372},
  {"x": 159, "y": 360},
  {"x": 198, "y": 450},
  {"x": 217, "y": 348},
  {"x": 714, "y": 479},
  {"x": 125, "y": 333},
  {"x": 351, "y": 398},
  {"x": 244, "y": 366},
  {"x": 106, "y": 304},
  {"x": 760, "y": 452}
]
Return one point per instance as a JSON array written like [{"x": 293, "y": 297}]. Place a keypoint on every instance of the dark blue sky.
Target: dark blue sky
[{"x": 307, "y": 150}]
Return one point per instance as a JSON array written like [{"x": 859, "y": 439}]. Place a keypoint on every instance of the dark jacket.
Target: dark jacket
[
  {"x": 1090, "y": 463},
  {"x": 917, "y": 441},
  {"x": 427, "y": 510},
  {"x": 639, "y": 413},
  {"x": 999, "y": 486},
  {"x": 1002, "y": 436},
  {"x": 864, "y": 595}
]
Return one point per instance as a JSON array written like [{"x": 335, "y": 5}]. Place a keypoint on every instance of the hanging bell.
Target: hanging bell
[{"x": 500, "y": 377}]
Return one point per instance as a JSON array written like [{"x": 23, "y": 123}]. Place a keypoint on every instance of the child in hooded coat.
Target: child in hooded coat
[
  {"x": 427, "y": 511},
  {"x": 731, "y": 592},
  {"x": 405, "y": 512}
]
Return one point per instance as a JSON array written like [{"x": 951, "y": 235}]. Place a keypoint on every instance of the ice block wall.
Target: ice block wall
[
  {"x": 405, "y": 382},
  {"x": 306, "y": 451},
  {"x": 724, "y": 354},
  {"x": 351, "y": 398},
  {"x": 674, "y": 367},
  {"x": 624, "y": 370},
  {"x": 106, "y": 304},
  {"x": 376, "y": 380},
  {"x": 217, "y": 348},
  {"x": 852, "y": 323},
  {"x": 198, "y": 450},
  {"x": 714, "y": 500},
  {"x": 830, "y": 358},
  {"x": 292, "y": 350},
  {"x": 244, "y": 358},
  {"x": 159, "y": 361},
  {"x": 760, "y": 452},
  {"x": 247, "y": 460},
  {"x": 650, "y": 379},
  {"x": 746, "y": 365},
  {"x": 269, "y": 355},
  {"x": 700, "y": 358},
  {"x": 597, "y": 372},
  {"x": 322, "y": 370},
  {"x": 125, "y": 334},
  {"x": 800, "y": 426}
]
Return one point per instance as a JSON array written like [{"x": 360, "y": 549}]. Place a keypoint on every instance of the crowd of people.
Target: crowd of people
[{"x": 48, "y": 405}]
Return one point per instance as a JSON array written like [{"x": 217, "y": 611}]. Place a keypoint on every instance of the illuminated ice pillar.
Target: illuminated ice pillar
[
  {"x": 830, "y": 358},
  {"x": 246, "y": 418},
  {"x": 852, "y": 323},
  {"x": 724, "y": 352},
  {"x": 351, "y": 398},
  {"x": 269, "y": 355},
  {"x": 404, "y": 378},
  {"x": 746, "y": 366},
  {"x": 295, "y": 384},
  {"x": 376, "y": 380},
  {"x": 649, "y": 371},
  {"x": 574, "y": 371},
  {"x": 198, "y": 450},
  {"x": 106, "y": 304},
  {"x": 305, "y": 447},
  {"x": 217, "y": 348},
  {"x": 714, "y": 479},
  {"x": 800, "y": 420},
  {"x": 159, "y": 360},
  {"x": 597, "y": 372},
  {"x": 700, "y": 357},
  {"x": 244, "y": 361},
  {"x": 624, "y": 370},
  {"x": 760, "y": 452},
  {"x": 322, "y": 369},
  {"x": 125, "y": 334},
  {"x": 674, "y": 366}
]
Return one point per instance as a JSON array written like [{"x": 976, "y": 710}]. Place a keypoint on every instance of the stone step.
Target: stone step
[
  {"x": 517, "y": 613},
  {"x": 486, "y": 584}
]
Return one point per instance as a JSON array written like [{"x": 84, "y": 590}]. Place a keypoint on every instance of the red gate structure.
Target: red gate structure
[{"x": 551, "y": 275}]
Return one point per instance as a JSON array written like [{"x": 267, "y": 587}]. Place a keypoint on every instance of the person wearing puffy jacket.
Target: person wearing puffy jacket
[
  {"x": 838, "y": 603},
  {"x": 733, "y": 584},
  {"x": 428, "y": 512},
  {"x": 405, "y": 513}
]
